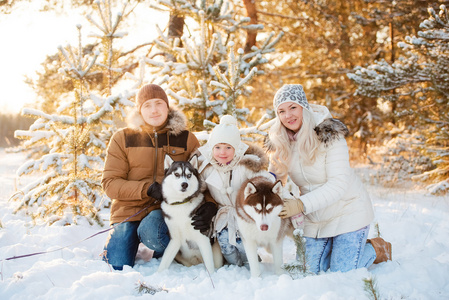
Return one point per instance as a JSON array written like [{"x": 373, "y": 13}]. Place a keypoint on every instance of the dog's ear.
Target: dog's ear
[
  {"x": 167, "y": 162},
  {"x": 249, "y": 189},
  {"x": 277, "y": 188},
  {"x": 194, "y": 161}
]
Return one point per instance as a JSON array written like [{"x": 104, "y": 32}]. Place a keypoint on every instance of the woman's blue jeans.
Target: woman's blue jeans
[
  {"x": 123, "y": 241},
  {"x": 343, "y": 252}
]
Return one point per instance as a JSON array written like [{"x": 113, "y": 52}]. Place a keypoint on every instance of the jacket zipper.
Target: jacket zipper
[
  {"x": 304, "y": 175},
  {"x": 155, "y": 156}
]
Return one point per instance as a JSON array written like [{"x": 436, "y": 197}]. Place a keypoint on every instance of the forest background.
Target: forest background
[{"x": 382, "y": 67}]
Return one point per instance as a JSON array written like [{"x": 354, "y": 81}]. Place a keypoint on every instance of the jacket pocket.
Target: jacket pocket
[{"x": 177, "y": 153}]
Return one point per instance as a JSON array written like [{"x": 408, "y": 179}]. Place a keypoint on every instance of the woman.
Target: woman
[{"x": 308, "y": 145}]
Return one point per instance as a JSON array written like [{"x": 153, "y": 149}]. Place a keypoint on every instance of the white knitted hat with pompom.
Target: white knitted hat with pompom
[{"x": 226, "y": 132}]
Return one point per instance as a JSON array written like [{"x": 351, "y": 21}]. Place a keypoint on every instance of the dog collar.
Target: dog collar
[{"x": 182, "y": 202}]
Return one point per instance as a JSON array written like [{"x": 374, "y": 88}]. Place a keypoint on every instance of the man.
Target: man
[{"x": 133, "y": 171}]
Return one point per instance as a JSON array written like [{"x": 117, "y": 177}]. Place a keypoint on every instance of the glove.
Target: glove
[
  {"x": 203, "y": 216},
  {"x": 155, "y": 191},
  {"x": 292, "y": 207}
]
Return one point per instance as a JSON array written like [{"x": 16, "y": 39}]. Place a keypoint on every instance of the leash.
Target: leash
[{"x": 89, "y": 237}]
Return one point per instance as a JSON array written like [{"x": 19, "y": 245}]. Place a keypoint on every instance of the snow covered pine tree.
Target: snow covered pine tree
[
  {"x": 67, "y": 182},
  {"x": 206, "y": 75},
  {"x": 419, "y": 82}
]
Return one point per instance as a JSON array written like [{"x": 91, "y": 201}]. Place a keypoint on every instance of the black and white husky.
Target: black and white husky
[
  {"x": 258, "y": 205},
  {"x": 182, "y": 196}
]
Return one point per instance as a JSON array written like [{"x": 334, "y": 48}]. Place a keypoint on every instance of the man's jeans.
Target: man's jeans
[
  {"x": 343, "y": 252},
  {"x": 123, "y": 241}
]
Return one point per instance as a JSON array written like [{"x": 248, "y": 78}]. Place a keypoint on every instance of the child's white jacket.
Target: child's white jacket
[{"x": 224, "y": 182}]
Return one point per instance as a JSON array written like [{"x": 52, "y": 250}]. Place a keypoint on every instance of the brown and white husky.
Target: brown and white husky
[{"x": 258, "y": 204}]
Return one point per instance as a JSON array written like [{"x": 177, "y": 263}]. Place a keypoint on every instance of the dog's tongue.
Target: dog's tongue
[{"x": 264, "y": 227}]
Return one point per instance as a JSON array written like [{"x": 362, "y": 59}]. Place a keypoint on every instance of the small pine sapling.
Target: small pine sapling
[
  {"x": 299, "y": 267},
  {"x": 371, "y": 288}
]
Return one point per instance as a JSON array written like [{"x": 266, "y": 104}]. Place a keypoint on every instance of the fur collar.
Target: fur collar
[
  {"x": 255, "y": 158},
  {"x": 177, "y": 122},
  {"x": 330, "y": 130}
]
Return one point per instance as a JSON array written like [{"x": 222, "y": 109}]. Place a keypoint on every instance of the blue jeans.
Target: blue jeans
[
  {"x": 343, "y": 252},
  {"x": 234, "y": 255},
  {"x": 123, "y": 241}
]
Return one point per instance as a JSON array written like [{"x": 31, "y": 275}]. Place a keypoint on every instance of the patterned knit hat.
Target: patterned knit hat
[
  {"x": 226, "y": 132},
  {"x": 291, "y": 93},
  {"x": 150, "y": 91}
]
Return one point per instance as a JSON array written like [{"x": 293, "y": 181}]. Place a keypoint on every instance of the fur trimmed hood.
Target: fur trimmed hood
[
  {"x": 177, "y": 121},
  {"x": 255, "y": 158}
]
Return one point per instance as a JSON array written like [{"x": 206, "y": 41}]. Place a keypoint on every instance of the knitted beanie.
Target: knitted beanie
[
  {"x": 150, "y": 91},
  {"x": 290, "y": 93},
  {"x": 226, "y": 132}
]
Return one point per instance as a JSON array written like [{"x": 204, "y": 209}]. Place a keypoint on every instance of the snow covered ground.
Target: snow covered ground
[{"x": 416, "y": 224}]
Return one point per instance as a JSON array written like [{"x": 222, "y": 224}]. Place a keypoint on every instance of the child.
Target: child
[{"x": 225, "y": 163}]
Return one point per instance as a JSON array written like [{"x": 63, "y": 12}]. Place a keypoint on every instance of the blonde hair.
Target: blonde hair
[{"x": 307, "y": 144}]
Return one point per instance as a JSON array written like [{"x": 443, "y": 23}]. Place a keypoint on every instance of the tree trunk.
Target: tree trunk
[
  {"x": 175, "y": 25},
  {"x": 394, "y": 104},
  {"x": 175, "y": 30},
  {"x": 251, "y": 35}
]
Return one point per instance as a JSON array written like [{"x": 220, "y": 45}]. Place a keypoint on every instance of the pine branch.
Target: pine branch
[
  {"x": 371, "y": 288},
  {"x": 143, "y": 288},
  {"x": 299, "y": 267}
]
